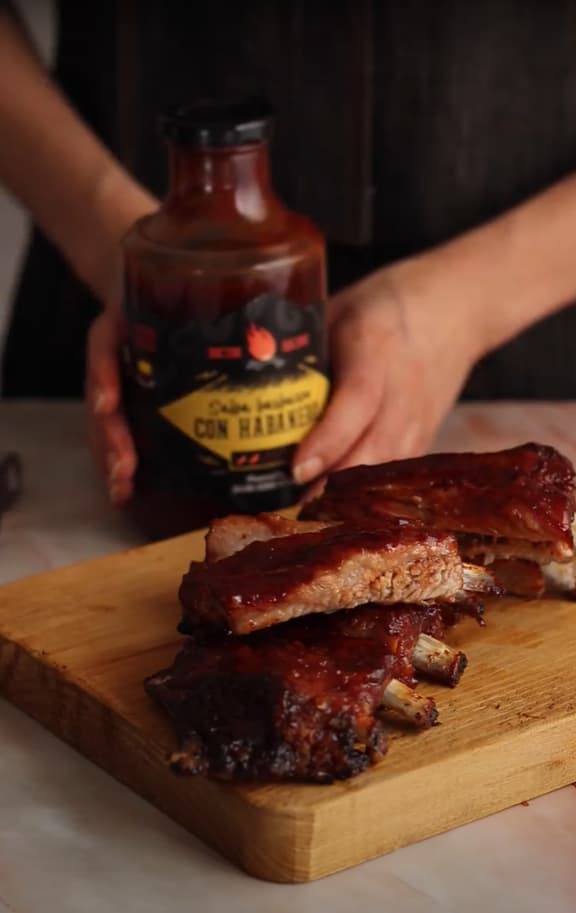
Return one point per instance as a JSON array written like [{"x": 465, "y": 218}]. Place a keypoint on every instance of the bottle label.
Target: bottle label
[{"x": 241, "y": 391}]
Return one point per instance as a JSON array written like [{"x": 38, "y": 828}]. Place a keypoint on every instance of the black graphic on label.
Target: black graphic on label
[{"x": 228, "y": 400}]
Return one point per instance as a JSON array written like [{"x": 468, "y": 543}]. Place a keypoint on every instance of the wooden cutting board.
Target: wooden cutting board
[{"x": 75, "y": 645}]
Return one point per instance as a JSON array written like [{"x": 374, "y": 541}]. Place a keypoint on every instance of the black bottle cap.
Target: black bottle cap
[{"x": 218, "y": 123}]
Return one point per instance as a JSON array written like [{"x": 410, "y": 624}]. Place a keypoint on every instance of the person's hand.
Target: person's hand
[
  {"x": 109, "y": 436},
  {"x": 399, "y": 363}
]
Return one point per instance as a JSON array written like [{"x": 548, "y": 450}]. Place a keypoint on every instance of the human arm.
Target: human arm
[
  {"x": 404, "y": 339},
  {"x": 76, "y": 191},
  {"x": 84, "y": 201}
]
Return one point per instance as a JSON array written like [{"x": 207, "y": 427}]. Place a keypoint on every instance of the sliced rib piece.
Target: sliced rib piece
[
  {"x": 276, "y": 709},
  {"x": 306, "y": 700},
  {"x": 230, "y": 534},
  {"x": 525, "y": 493},
  {"x": 335, "y": 568}
]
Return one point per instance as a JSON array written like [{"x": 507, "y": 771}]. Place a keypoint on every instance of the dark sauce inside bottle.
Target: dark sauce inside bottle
[{"x": 224, "y": 368}]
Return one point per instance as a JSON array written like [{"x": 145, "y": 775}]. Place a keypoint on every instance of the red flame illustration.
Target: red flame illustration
[{"x": 261, "y": 343}]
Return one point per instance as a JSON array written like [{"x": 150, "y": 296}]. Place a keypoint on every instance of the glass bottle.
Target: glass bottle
[{"x": 224, "y": 364}]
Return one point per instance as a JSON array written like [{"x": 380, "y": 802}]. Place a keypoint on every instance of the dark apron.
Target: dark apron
[{"x": 401, "y": 124}]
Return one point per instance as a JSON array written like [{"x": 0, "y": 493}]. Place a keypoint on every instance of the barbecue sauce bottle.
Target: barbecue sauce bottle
[{"x": 224, "y": 365}]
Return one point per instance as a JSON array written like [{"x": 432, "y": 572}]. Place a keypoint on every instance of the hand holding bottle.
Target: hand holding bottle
[
  {"x": 110, "y": 438},
  {"x": 397, "y": 372},
  {"x": 399, "y": 362},
  {"x": 403, "y": 339}
]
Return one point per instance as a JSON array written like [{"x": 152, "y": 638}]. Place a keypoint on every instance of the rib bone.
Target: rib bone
[
  {"x": 439, "y": 661},
  {"x": 479, "y": 580},
  {"x": 411, "y": 706}
]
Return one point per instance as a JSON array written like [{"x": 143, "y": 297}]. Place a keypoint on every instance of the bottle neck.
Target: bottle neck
[{"x": 230, "y": 179}]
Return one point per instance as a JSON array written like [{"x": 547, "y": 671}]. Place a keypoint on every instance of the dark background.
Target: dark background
[{"x": 400, "y": 125}]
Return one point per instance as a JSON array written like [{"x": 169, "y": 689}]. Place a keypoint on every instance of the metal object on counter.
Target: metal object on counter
[{"x": 10, "y": 480}]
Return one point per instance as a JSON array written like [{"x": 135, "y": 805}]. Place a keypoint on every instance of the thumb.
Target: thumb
[{"x": 355, "y": 400}]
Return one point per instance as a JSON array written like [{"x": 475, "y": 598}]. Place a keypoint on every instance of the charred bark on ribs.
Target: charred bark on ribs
[
  {"x": 306, "y": 700},
  {"x": 275, "y": 710}
]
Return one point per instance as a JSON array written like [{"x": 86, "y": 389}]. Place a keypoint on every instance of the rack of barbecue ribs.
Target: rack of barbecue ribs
[
  {"x": 305, "y": 639},
  {"x": 291, "y": 669},
  {"x": 512, "y": 510}
]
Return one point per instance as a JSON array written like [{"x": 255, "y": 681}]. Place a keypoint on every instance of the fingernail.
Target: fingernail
[
  {"x": 307, "y": 470},
  {"x": 98, "y": 401}
]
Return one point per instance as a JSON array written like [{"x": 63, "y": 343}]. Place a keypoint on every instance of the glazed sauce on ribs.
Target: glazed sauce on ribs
[
  {"x": 525, "y": 494},
  {"x": 337, "y": 567}
]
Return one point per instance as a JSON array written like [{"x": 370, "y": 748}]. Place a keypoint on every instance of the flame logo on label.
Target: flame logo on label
[{"x": 261, "y": 344}]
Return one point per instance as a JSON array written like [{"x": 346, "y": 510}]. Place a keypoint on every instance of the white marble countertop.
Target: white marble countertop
[{"x": 72, "y": 840}]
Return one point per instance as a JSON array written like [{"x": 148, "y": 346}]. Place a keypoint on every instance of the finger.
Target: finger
[
  {"x": 113, "y": 448},
  {"x": 359, "y": 348},
  {"x": 117, "y": 440},
  {"x": 103, "y": 377},
  {"x": 350, "y": 411}
]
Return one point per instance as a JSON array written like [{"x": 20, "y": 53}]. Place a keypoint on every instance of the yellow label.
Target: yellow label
[
  {"x": 228, "y": 419},
  {"x": 144, "y": 367}
]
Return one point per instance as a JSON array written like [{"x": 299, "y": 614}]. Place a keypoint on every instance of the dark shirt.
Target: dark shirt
[{"x": 400, "y": 125}]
